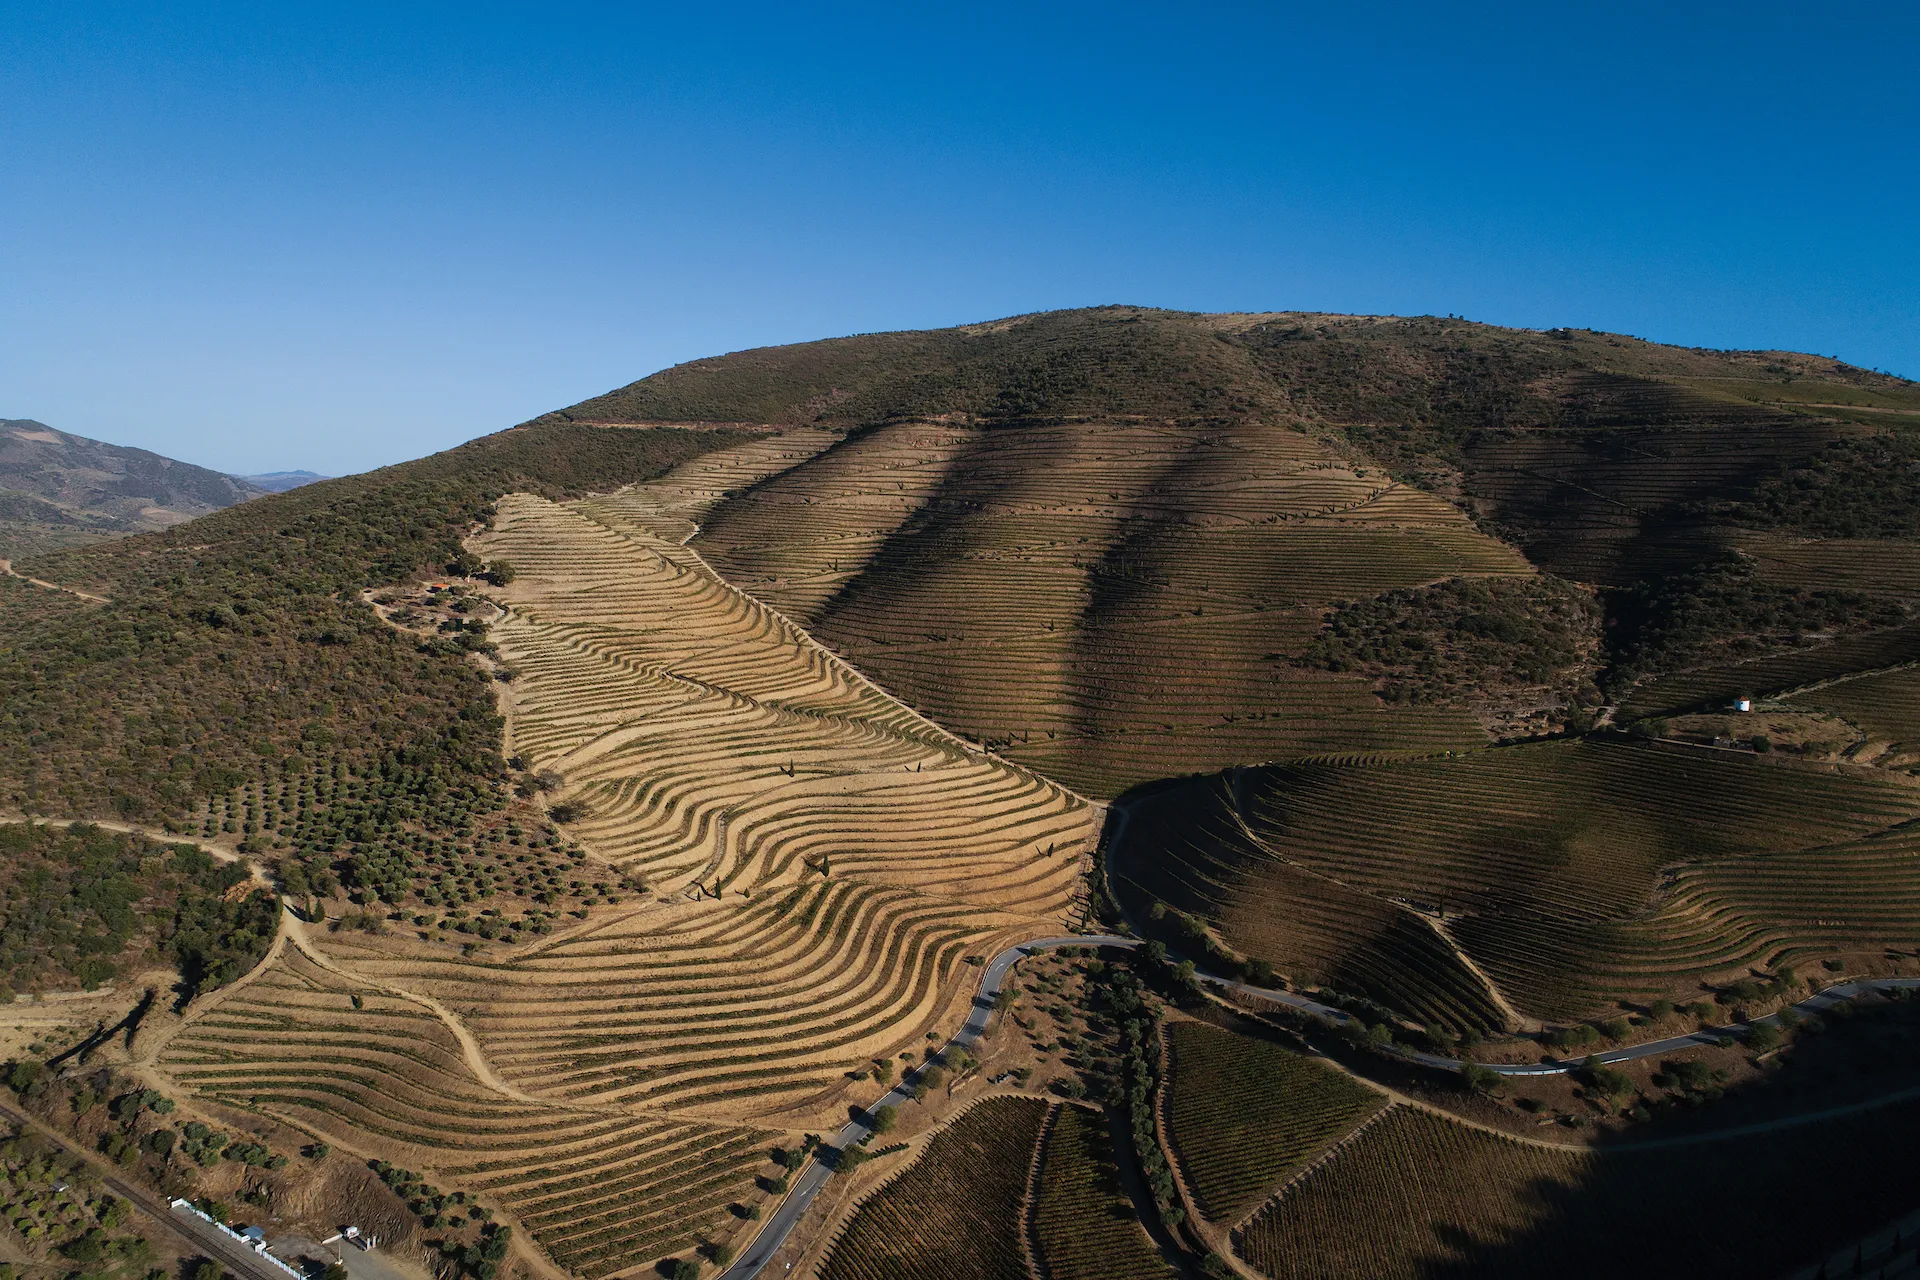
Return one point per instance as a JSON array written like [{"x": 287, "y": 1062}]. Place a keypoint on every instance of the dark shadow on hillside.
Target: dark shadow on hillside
[{"x": 1796, "y": 1176}]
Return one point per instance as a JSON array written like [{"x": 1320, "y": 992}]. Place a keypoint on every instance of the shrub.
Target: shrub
[
  {"x": 1606, "y": 1080},
  {"x": 1479, "y": 1079}
]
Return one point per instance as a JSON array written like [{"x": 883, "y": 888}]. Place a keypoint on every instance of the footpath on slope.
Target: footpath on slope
[
  {"x": 214, "y": 849},
  {"x": 6, "y": 567}
]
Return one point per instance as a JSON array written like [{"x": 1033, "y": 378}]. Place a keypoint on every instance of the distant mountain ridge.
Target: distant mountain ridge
[
  {"x": 281, "y": 481},
  {"x": 57, "y": 488}
]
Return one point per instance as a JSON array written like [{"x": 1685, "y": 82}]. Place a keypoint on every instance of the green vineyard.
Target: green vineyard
[
  {"x": 1084, "y": 1227},
  {"x": 1243, "y": 1115},
  {"x": 956, "y": 1212}
]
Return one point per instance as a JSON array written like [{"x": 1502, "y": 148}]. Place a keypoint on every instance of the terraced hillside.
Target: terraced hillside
[
  {"x": 600, "y": 1189},
  {"x": 730, "y": 1009},
  {"x": 819, "y": 705},
  {"x": 1042, "y": 535},
  {"x": 715, "y": 746},
  {"x": 1105, "y": 601},
  {"x": 1552, "y": 878},
  {"x": 1243, "y": 1115}
]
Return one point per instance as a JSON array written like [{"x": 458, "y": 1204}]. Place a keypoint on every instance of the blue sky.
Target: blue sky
[{"x": 335, "y": 236}]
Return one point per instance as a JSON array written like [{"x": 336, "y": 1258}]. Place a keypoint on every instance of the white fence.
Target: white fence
[{"x": 259, "y": 1247}]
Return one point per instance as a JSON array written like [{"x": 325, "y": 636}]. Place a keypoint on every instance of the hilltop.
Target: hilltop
[{"x": 1039, "y": 529}]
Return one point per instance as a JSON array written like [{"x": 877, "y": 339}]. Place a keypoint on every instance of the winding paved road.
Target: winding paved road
[{"x": 814, "y": 1177}]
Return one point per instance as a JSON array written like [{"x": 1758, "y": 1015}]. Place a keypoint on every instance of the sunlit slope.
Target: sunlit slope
[
  {"x": 824, "y": 859},
  {"x": 1097, "y": 540},
  {"x": 1105, "y": 600},
  {"x": 1568, "y": 875},
  {"x": 716, "y": 745},
  {"x": 732, "y": 1009},
  {"x": 599, "y": 1189}
]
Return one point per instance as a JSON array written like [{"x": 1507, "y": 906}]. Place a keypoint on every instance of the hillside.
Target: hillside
[
  {"x": 58, "y": 489},
  {"x": 651, "y": 784},
  {"x": 1104, "y": 542}
]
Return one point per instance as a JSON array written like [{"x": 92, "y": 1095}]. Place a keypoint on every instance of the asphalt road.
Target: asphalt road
[
  {"x": 235, "y": 1257},
  {"x": 815, "y": 1175}
]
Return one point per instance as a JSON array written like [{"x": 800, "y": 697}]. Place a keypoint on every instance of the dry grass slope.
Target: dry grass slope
[{"x": 1107, "y": 600}]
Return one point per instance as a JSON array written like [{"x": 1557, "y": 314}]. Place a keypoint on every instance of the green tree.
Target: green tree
[{"x": 1479, "y": 1079}]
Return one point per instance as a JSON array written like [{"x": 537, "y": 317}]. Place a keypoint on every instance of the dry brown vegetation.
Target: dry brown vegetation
[
  {"x": 821, "y": 862},
  {"x": 601, "y": 1189}
]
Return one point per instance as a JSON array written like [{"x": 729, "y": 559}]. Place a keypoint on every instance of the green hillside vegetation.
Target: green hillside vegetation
[
  {"x": 242, "y": 639},
  {"x": 1243, "y": 1115},
  {"x": 1851, "y": 489},
  {"x": 57, "y": 1219},
  {"x": 80, "y": 906},
  {"x": 1417, "y": 1196},
  {"x": 1469, "y": 641},
  {"x": 238, "y": 686},
  {"x": 1726, "y": 614},
  {"x": 1540, "y": 862}
]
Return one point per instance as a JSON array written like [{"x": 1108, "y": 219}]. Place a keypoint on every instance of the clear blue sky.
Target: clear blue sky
[{"x": 338, "y": 235}]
